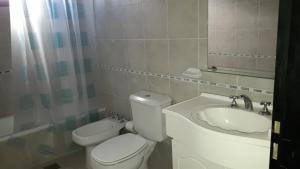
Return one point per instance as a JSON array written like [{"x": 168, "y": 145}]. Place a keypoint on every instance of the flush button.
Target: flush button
[{"x": 148, "y": 95}]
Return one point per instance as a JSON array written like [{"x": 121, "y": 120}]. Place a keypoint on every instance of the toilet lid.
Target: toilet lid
[{"x": 118, "y": 148}]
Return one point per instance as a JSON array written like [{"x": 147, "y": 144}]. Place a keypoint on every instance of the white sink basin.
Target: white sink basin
[
  {"x": 213, "y": 135},
  {"x": 235, "y": 119}
]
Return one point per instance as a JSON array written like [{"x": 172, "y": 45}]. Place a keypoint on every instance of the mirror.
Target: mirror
[{"x": 242, "y": 37}]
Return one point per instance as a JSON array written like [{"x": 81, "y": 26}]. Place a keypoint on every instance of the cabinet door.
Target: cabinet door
[
  {"x": 184, "y": 158},
  {"x": 285, "y": 137}
]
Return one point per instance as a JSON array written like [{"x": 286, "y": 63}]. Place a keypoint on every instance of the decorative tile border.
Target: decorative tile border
[
  {"x": 241, "y": 55},
  {"x": 4, "y": 72},
  {"x": 186, "y": 79}
]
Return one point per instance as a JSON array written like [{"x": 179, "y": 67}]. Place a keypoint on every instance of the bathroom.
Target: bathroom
[{"x": 148, "y": 84}]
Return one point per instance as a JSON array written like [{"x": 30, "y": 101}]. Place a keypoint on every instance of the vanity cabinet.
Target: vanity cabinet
[
  {"x": 186, "y": 158},
  {"x": 198, "y": 145}
]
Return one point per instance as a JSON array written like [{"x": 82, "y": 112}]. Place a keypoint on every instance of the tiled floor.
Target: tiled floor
[
  {"x": 72, "y": 161},
  {"x": 161, "y": 158}
]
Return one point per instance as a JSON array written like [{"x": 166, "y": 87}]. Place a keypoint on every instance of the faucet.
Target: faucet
[{"x": 248, "y": 102}]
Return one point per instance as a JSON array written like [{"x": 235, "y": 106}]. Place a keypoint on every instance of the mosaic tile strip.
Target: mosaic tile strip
[
  {"x": 4, "y": 72},
  {"x": 190, "y": 80},
  {"x": 241, "y": 55}
]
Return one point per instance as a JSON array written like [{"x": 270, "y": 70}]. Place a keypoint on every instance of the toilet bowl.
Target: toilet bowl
[
  {"x": 129, "y": 151},
  {"x": 92, "y": 134},
  {"x": 132, "y": 151}
]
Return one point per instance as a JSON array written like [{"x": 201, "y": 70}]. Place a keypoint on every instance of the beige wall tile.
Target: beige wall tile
[
  {"x": 265, "y": 64},
  {"x": 219, "y": 78},
  {"x": 159, "y": 85},
  {"x": 247, "y": 14},
  {"x": 181, "y": 91},
  {"x": 137, "y": 83},
  {"x": 202, "y": 53},
  {"x": 183, "y": 18},
  {"x": 216, "y": 90},
  {"x": 224, "y": 17},
  {"x": 257, "y": 83},
  {"x": 247, "y": 41},
  {"x": 267, "y": 42},
  {"x": 203, "y": 18},
  {"x": 183, "y": 55},
  {"x": 155, "y": 18},
  {"x": 132, "y": 21},
  {"x": 119, "y": 83},
  {"x": 112, "y": 52},
  {"x": 5, "y": 40},
  {"x": 108, "y": 21},
  {"x": 269, "y": 10},
  {"x": 134, "y": 54},
  {"x": 156, "y": 53}
]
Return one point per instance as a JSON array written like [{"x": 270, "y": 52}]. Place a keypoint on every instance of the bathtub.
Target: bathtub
[
  {"x": 6, "y": 125},
  {"x": 7, "y": 129}
]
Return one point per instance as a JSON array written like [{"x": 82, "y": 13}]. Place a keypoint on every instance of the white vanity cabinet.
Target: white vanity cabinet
[
  {"x": 198, "y": 145},
  {"x": 186, "y": 158}
]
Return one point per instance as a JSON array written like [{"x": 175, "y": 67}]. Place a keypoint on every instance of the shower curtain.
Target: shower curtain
[{"x": 54, "y": 70}]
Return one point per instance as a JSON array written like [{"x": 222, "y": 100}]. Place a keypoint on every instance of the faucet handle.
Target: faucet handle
[
  {"x": 265, "y": 110},
  {"x": 233, "y": 102}
]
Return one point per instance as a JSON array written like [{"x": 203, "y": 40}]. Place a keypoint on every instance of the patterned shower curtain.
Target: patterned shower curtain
[{"x": 54, "y": 79}]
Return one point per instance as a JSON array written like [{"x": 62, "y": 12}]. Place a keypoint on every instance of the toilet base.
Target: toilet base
[{"x": 88, "y": 157}]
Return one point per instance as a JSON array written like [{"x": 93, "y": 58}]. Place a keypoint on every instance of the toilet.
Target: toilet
[
  {"x": 92, "y": 134},
  {"x": 132, "y": 151}
]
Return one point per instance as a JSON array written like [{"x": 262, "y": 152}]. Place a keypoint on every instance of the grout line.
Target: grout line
[{"x": 168, "y": 37}]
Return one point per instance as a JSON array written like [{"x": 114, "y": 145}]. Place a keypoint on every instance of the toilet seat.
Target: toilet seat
[{"x": 119, "y": 149}]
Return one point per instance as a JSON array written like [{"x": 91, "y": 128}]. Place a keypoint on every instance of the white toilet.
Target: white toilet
[
  {"x": 93, "y": 134},
  {"x": 132, "y": 151}
]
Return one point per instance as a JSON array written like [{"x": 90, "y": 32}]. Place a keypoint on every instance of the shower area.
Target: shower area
[{"x": 52, "y": 80}]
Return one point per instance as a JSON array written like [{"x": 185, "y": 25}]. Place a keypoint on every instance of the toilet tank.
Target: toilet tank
[{"x": 148, "y": 119}]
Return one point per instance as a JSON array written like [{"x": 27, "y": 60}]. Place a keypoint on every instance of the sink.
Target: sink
[
  {"x": 235, "y": 119},
  {"x": 207, "y": 133}
]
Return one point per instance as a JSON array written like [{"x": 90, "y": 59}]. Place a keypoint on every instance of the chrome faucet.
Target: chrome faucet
[{"x": 248, "y": 102}]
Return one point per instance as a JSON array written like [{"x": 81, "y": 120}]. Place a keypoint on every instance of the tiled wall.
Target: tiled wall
[
  {"x": 147, "y": 44},
  {"x": 5, "y": 51},
  {"x": 242, "y": 34},
  {"x": 5, "y": 59}
]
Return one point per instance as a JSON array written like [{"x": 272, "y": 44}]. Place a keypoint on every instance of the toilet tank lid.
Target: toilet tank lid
[{"x": 150, "y": 98}]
